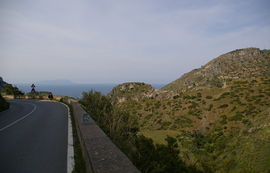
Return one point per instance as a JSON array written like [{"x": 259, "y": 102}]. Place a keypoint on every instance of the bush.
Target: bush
[
  {"x": 247, "y": 122},
  {"x": 225, "y": 94},
  {"x": 223, "y": 120},
  {"x": 11, "y": 90},
  {"x": 166, "y": 124},
  {"x": 209, "y": 97},
  {"x": 210, "y": 107},
  {"x": 237, "y": 117},
  {"x": 115, "y": 121},
  {"x": 157, "y": 158},
  {"x": 3, "y": 104},
  {"x": 223, "y": 106}
]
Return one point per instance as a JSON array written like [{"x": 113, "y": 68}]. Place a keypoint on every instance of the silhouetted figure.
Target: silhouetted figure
[
  {"x": 33, "y": 88},
  {"x": 50, "y": 96}
]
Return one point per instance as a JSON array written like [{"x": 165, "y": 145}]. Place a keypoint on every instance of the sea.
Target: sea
[{"x": 73, "y": 90}]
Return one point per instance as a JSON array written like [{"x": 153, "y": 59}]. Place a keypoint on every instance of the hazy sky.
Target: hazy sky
[{"x": 115, "y": 41}]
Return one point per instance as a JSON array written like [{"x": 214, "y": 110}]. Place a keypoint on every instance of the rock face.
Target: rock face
[
  {"x": 238, "y": 64},
  {"x": 241, "y": 63},
  {"x": 131, "y": 90}
]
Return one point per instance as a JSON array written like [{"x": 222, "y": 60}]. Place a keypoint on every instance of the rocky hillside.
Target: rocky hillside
[
  {"x": 2, "y": 83},
  {"x": 238, "y": 64},
  {"x": 220, "y": 113},
  {"x": 131, "y": 90}
]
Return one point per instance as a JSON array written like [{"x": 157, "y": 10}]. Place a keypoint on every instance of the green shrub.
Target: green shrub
[
  {"x": 158, "y": 158},
  {"x": 176, "y": 97},
  {"x": 233, "y": 109},
  {"x": 226, "y": 93},
  {"x": 189, "y": 97},
  {"x": 210, "y": 107},
  {"x": 223, "y": 120},
  {"x": 193, "y": 105},
  {"x": 147, "y": 117},
  {"x": 115, "y": 121},
  {"x": 3, "y": 104},
  {"x": 246, "y": 122},
  {"x": 11, "y": 90},
  {"x": 165, "y": 124},
  {"x": 237, "y": 117},
  {"x": 183, "y": 121},
  {"x": 209, "y": 97},
  {"x": 223, "y": 106}
]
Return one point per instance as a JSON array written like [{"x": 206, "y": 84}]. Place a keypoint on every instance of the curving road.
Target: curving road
[{"x": 33, "y": 137}]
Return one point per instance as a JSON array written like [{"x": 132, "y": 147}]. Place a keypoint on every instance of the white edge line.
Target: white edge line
[
  {"x": 70, "y": 150},
  {"x": 18, "y": 120},
  {"x": 70, "y": 147}
]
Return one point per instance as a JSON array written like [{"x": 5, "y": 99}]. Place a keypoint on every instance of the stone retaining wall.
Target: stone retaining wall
[{"x": 100, "y": 154}]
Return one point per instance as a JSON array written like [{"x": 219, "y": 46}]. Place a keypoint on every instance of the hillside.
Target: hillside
[
  {"x": 131, "y": 90},
  {"x": 238, "y": 64},
  {"x": 219, "y": 113},
  {"x": 2, "y": 83},
  {"x": 9, "y": 89}
]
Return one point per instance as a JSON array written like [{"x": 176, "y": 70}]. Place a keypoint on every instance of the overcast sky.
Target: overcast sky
[{"x": 115, "y": 41}]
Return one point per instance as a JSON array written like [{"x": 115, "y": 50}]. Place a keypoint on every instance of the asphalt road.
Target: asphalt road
[{"x": 33, "y": 137}]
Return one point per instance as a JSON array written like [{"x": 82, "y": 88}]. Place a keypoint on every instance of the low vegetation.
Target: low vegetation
[
  {"x": 210, "y": 125},
  {"x": 123, "y": 129},
  {"x": 217, "y": 117},
  {"x": 3, "y": 104},
  {"x": 11, "y": 90}
]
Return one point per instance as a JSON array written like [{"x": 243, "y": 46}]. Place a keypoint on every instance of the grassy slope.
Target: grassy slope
[
  {"x": 219, "y": 113},
  {"x": 225, "y": 125}
]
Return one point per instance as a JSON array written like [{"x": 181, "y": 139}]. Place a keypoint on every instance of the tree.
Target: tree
[
  {"x": 159, "y": 158},
  {"x": 10, "y": 90},
  {"x": 3, "y": 104}
]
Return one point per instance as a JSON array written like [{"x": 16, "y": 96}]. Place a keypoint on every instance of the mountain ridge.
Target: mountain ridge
[
  {"x": 219, "y": 113},
  {"x": 240, "y": 63}
]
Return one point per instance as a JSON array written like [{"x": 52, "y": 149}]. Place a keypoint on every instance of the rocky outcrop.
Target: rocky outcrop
[
  {"x": 238, "y": 64},
  {"x": 241, "y": 63},
  {"x": 131, "y": 90}
]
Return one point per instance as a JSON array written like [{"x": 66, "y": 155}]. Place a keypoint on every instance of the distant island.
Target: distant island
[{"x": 56, "y": 82}]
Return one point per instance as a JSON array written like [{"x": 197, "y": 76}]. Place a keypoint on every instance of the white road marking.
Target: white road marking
[
  {"x": 18, "y": 120},
  {"x": 70, "y": 147},
  {"x": 70, "y": 150}
]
